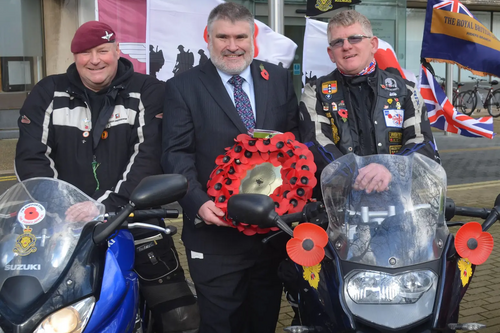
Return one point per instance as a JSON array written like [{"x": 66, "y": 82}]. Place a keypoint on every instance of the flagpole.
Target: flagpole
[
  {"x": 276, "y": 16},
  {"x": 449, "y": 85}
]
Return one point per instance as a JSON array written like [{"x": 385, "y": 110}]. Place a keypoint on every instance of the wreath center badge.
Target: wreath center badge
[{"x": 265, "y": 162}]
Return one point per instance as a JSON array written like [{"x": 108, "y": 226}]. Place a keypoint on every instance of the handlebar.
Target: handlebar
[
  {"x": 489, "y": 215},
  {"x": 481, "y": 213},
  {"x": 147, "y": 214}
]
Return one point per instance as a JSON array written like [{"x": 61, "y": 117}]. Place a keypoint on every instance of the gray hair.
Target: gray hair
[
  {"x": 347, "y": 18},
  {"x": 232, "y": 12}
]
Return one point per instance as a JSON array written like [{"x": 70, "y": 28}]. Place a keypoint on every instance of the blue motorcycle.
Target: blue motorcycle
[
  {"x": 73, "y": 276},
  {"x": 387, "y": 261}
]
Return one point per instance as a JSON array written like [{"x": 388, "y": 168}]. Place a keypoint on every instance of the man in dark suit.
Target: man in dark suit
[{"x": 235, "y": 275}]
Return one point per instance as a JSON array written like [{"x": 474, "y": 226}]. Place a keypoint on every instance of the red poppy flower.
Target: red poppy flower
[
  {"x": 306, "y": 248},
  {"x": 474, "y": 244},
  {"x": 248, "y": 142},
  {"x": 31, "y": 214},
  {"x": 265, "y": 74},
  {"x": 343, "y": 113},
  {"x": 306, "y": 164}
]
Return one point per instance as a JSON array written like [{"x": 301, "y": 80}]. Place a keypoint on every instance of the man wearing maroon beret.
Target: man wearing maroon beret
[{"x": 98, "y": 127}]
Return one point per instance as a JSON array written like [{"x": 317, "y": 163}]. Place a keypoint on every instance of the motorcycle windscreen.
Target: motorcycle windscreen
[
  {"x": 37, "y": 239},
  {"x": 403, "y": 225}
]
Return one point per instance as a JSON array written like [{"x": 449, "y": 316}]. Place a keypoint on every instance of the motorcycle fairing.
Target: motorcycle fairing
[
  {"x": 79, "y": 282},
  {"x": 115, "y": 310},
  {"x": 322, "y": 307},
  {"x": 367, "y": 235},
  {"x": 450, "y": 290},
  {"x": 122, "y": 246}
]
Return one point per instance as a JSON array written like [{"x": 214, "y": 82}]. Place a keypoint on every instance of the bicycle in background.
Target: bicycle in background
[
  {"x": 468, "y": 100},
  {"x": 457, "y": 103}
]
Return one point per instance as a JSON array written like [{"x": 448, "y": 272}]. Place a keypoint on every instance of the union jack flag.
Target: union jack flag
[
  {"x": 398, "y": 119},
  {"x": 453, "y": 6},
  {"x": 442, "y": 114}
]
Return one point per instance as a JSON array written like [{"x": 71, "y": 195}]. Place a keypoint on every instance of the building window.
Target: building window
[{"x": 20, "y": 45}]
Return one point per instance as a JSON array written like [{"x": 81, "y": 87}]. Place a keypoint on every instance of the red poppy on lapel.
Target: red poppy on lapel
[{"x": 264, "y": 73}]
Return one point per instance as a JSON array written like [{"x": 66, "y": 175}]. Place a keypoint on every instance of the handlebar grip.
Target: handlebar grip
[
  {"x": 481, "y": 213},
  {"x": 147, "y": 214},
  {"x": 294, "y": 217}
]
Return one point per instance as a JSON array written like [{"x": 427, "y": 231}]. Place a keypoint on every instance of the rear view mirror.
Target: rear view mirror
[
  {"x": 254, "y": 209},
  {"x": 159, "y": 190},
  {"x": 152, "y": 191}
]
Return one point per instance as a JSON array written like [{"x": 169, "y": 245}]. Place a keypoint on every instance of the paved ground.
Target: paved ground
[{"x": 466, "y": 161}]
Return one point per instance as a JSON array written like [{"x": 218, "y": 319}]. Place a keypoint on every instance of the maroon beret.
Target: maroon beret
[{"x": 90, "y": 35}]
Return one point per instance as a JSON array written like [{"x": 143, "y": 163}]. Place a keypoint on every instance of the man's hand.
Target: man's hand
[
  {"x": 82, "y": 212},
  {"x": 373, "y": 177},
  {"x": 211, "y": 214}
]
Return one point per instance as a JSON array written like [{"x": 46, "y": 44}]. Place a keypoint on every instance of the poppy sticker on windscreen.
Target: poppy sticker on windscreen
[{"x": 31, "y": 213}]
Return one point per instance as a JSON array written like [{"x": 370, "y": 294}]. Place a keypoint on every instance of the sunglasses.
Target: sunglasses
[{"x": 354, "y": 39}]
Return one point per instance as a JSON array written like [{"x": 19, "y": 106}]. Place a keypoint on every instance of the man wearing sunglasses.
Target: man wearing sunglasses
[{"x": 360, "y": 108}]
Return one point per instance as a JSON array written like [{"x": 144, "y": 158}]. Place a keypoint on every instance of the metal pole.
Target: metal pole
[
  {"x": 276, "y": 16},
  {"x": 449, "y": 85}
]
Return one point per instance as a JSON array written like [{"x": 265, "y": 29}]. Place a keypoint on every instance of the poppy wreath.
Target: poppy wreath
[{"x": 297, "y": 174}]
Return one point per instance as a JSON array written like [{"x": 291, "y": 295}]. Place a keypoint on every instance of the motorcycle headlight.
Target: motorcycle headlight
[
  {"x": 71, "y": 319},
  {"x": 370, "y": 287}
]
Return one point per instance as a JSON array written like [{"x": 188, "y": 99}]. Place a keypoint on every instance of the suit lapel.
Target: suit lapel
[
  {"x": 261, "y": 88},
  {"x": 211, "y": 80}
]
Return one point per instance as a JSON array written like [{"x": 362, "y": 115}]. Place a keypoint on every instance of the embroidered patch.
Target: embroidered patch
[
  {"x": 394, "y": 117},
  {"x": 329, "y": 87},
  {"x": 390, "y": 84},
  {"x": 393, "y": 149},
  {"x": 395, "y": 137}
]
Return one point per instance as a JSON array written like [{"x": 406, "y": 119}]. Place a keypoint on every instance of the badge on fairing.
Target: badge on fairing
[
  {"x": 311, "y": 275},
  {"x": 465, "y": 268},
  {"x": 25, "y": 243}
]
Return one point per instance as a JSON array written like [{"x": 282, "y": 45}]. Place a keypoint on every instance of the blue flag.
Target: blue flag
[{"x": 453, "y": 35}]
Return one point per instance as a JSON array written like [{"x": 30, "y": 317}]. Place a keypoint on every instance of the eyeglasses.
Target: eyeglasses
[{"x": 354, "y": 39}]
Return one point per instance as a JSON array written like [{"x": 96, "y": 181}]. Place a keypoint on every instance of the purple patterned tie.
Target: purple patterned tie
[{"x": 242, "y": 102}]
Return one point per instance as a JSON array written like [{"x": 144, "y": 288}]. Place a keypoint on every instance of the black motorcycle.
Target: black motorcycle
[{"x": 387, "y": 261}]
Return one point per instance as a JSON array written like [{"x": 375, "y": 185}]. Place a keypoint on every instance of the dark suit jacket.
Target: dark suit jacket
[{"x": 199, "y": 121}]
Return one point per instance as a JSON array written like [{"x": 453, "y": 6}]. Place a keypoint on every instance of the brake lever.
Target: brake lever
[{"x": 268, "y": 238}]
